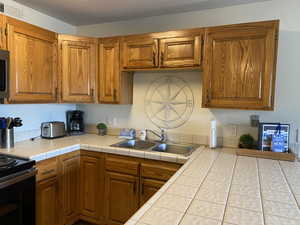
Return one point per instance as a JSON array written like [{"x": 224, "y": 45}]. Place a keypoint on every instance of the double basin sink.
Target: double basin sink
[{"x": 181, "y": 149}]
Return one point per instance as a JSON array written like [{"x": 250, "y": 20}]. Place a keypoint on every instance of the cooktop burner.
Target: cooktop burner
[
  {"x": 10, "y": 164},
  {"x": 6, "y": 162}
]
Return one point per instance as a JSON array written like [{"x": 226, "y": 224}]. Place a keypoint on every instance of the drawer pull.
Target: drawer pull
[{"x": 48, "y": 172}]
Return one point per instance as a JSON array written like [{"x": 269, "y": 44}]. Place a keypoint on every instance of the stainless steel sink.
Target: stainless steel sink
[
  {"x": 181, "y": 149},
  {"x": 135, "y": 144}
]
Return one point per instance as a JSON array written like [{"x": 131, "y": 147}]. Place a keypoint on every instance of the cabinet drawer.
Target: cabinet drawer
[
  {"x": 46, "y": 169},
  {"x": 158, "y": 171},
  {"x": 121, "y": 165}
]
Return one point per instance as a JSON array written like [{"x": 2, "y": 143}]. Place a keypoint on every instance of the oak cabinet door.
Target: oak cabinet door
[
  {"x": 121, "y": 197},
  {"x": 240, "y": 66},
  {"x": 47, "y": 204},
  {"x": 69, "y": 187},
  {"x": 33, "y": 60},
  {"x": 2, "y": 32},
  {"x": 181, "y": 51},
  {"x": 140, "y": 53},
  {"x": 92, "y": 188},
  {"x": 148, "y": 188},
  {"x": 78, "y": 63},
  {"x": 109, "y": 69}
]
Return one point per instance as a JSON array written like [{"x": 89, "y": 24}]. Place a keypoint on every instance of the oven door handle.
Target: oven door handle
[{"x": 11, "y": 180}]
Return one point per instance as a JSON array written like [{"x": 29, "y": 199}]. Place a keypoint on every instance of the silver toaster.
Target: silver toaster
[{"x": 53, "y": 129}]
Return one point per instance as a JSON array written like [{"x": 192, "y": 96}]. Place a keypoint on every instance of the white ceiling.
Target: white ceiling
[{"x": 83, "y": 12}]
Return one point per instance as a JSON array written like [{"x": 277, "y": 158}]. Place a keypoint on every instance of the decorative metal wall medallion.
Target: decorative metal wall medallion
[{"x": 169, "y": 102}]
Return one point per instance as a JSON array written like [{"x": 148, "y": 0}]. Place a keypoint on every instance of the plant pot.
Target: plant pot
[{"x": 102, "y": 132}]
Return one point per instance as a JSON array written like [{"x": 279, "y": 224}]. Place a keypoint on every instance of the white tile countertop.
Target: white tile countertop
[
  {"x": 213, "y": 187},
  {"x": 216, "y": 187}
]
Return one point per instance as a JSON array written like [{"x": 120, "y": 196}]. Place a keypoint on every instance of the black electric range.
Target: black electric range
[{"x": 17, "y": 190}]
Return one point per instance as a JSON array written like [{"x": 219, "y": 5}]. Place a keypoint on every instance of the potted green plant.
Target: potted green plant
[
  {"x": 247, "y": 141},
  {"x": 102, "y": 129}
]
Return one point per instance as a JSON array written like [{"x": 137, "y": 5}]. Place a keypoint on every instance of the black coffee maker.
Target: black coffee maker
[{"x": 75, "y": 123}]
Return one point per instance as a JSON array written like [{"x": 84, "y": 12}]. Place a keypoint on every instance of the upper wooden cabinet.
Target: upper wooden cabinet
[
  {"x": 2, "y": 31},
  {"x": 33, "y": 60},
  {"x": 166, "y": 50},
  {"x": 181, "y": 51},
  {"x": 141, "y": 52},
  {"x": 78, "y": 67},
  {"x": 109, "y": 68},
  {"x": 240, "y": 62}
]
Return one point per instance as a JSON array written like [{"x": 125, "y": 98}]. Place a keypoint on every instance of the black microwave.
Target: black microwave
[{"x": 4, "y": 73}]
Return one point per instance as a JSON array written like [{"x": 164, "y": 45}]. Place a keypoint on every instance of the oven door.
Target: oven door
[{"x": 17, "y": 199}]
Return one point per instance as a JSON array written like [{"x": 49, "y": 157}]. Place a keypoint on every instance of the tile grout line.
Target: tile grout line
[
  {"x": 185, "y": 213},
  {"x": 288, "y": 183},
  {"x": 232, "y": 175},
  {"x": 260, "y": 190}
]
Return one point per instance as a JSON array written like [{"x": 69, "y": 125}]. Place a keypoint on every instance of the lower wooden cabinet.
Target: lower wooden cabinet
[
  {"x": 121, "y": 197},
  {"x": 69, "y": 187},
  {"x": 47, "y": 202},
  {"x": 148, "y": 188},
  {"x": 99, "y": 188},
  {"x": 92, "y": 187}
]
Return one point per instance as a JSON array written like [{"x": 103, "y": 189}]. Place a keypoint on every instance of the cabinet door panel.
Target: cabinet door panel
[
  {"x": 140, "y": 53},
  {"x": 148, "y": 188},
  {"x": 180, "y": 52},
  {"x": 33, "y": 72},
  {"x": 78, "y": 67},
  {"x": 70, "y": 188},
  {"x": 109, "y": 71},
  {"x": 92, "y": 187},
  {"x": 121, "y": 192},
  {"x": 240, "y": 66},
  {"x": 47, "y": 210}
]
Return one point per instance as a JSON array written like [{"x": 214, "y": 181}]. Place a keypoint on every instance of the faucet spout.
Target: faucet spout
[{"x": 162, "y": 136}]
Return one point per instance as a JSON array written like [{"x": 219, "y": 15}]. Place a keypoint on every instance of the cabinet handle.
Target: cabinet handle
[
  {"x": 161, "y": 59},
  {"x": 154, "y": 60},
  {"x": 207, "y": 95},
  {"x": 115, "y": 95},
  {"x": 48, "y": 171},
  {"x": 134, "y": 187},
  {"x": 92, "y": 92},
  {"x": 56, "y": 92}
]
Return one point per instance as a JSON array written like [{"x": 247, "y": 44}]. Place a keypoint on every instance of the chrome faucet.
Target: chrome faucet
[{"x": 162, "y": 136}]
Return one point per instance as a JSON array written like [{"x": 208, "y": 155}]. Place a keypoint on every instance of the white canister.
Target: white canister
[{"x": 213, "y": 134}]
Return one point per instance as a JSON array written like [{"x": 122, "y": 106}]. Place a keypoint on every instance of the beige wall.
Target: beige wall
[{"x": 287, "y": 107}]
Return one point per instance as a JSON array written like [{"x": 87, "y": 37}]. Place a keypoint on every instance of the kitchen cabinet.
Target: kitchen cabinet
[
  {"x": 47, "y": 193},
  {"x": 140, "y": 52},
  {"x": 78, "y": 68},
  {"x": 240, "y": 62},
  {"x": 47, "y": 204},
  {"x": 2, "y": 32},
  {"x": 69, "y": 165},
  {"x": 33, "y": 60},
  {"x": 155, "y": 51},
  {"x": 115, "y": 86},
  {"x": 121, "y": 197},
  {"x": 92, "y": 187},
  {"x": 148, "y": 188},
  {"x": 180, "y": 51}
]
